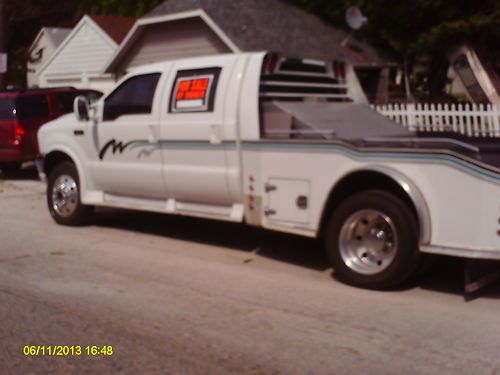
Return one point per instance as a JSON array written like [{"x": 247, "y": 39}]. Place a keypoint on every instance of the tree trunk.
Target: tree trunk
[{"x": 3, "y": 49}]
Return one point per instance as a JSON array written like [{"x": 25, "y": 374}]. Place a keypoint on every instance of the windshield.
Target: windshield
[{"x": 7, "y": 109}]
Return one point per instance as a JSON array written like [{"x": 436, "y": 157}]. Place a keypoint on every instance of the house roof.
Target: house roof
[
  {"x": 110, "y": 29},
  {"x": 277, "y": 25},
  {"x": 55, "y": 34},
  {"x": 115, "y": 26}
]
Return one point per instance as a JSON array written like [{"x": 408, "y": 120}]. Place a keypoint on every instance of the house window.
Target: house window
[
  {"x": 194, "y": 90},
  {"x": 132, "y": 97}
]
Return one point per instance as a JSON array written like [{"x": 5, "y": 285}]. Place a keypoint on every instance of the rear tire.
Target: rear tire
[
  {"x": 63, "y": 196},
  {"x": 372, "y": 240}
]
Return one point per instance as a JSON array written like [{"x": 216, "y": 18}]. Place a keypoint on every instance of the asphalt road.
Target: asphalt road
[{"x": 185, "y": 296}]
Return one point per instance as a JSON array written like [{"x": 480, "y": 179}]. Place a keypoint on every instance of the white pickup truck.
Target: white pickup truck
[{"x": 285, "y": 144}]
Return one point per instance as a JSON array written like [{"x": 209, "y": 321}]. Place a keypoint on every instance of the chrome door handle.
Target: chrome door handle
[
  {"x": 215, "y": 134},
  {"x": 269, "y": 211},
  {"x": 153, "y": 136},
  {"x": 268, "y": 187}
]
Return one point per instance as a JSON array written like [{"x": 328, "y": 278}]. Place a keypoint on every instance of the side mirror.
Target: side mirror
[{"x": 81, "y": 107}]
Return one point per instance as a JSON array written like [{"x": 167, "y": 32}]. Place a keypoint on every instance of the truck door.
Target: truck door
[
  {"x": 126, "y": 136},
  {"x": 194, "y": 132}
]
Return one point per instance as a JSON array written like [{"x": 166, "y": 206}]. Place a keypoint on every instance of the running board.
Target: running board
[
  {"x": 232, "y": 213},
  {"x": 229, "y": 213}
]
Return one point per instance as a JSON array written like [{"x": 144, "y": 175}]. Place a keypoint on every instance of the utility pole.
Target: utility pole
[{"x": 3, "y": 47}]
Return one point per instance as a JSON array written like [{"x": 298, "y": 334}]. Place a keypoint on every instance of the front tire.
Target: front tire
[
  {"x": 63, "y": 196},
  {"x": 372, "y": 240}
]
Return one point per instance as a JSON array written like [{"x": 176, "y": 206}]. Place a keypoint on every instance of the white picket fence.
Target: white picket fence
[{"x": 468, "y": 119}]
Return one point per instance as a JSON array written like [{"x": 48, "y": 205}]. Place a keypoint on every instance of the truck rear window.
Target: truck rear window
[{"x": 194, "y": 90}]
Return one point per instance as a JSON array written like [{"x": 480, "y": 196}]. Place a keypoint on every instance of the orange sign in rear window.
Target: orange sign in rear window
[
  {"x": 194, "y": 92},
  {"x": 192, "y": 89}
]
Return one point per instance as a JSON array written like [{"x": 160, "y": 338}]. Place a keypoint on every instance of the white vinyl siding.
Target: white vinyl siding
[
  {"x": 101, "y": 83},
  {"x": 173, "y": 40},
  {"x": 86, "y": 52}
]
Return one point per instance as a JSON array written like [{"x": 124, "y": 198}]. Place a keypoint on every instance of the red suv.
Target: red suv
[{"x": 22, "y": 113}]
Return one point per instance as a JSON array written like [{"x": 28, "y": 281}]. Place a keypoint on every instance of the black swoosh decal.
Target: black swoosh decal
[{"x": 116, "y": 146}]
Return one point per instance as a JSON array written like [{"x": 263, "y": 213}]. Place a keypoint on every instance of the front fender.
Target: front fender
[{"x": 84, "y": 177}]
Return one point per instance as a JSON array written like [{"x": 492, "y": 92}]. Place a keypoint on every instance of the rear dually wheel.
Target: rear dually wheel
[{"x": 372, "y": 240}]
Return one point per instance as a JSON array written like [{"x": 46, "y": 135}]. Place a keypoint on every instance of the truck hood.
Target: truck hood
[
  {"x": 62, "y": 125},
  {"x": 64, "y": 120}
]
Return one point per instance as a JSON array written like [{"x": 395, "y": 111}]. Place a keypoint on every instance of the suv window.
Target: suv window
[
  {"x": 7, "y": 109},
  {"x": 134, "y": 96},
  {"x": 32, "y": 106}
]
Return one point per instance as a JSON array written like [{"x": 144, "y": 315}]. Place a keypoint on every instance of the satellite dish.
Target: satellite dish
[{"x": 355, "y": 18}]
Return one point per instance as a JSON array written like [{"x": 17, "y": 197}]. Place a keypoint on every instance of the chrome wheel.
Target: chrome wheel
[
  {"x": 368, "y": 242},
  {"x": 64, "y": 195}
]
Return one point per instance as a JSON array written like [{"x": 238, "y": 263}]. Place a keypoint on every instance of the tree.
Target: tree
[
  {"x": 25, "y": 18},
  {"x": 418, "y": 28},
  {"x": 130, "y": 8}
]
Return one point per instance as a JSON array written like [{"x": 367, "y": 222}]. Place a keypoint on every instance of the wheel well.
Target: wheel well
[
  {"x": 361, "y": 181},
  {"x": 53, "y": 159}
]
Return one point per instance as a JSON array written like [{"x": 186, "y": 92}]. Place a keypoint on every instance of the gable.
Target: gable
[
  {"x": 86, "y": 50},
  {"x": 276, "y": 25},
  {"x": 40, "y": 50},
  {"x": 182, "y": 38}
]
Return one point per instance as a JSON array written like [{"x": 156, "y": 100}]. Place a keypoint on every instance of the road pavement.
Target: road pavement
[{"x": 176, "y": 295}]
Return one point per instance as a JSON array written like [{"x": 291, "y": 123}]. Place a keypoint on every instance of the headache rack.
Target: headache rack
[
  {"x": 287, "y": 80},
  {"x": 290, "y": 79}
]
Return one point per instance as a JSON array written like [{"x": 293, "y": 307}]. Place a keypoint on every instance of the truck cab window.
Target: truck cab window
[
  {"x": 134, "y": 96},
  {"x": 194, "y": 90}
]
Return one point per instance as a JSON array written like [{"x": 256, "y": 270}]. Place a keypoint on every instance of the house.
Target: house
[
  {"x": 180, "y": 28},
  {"x": 42, "y": 48},
  {"x": 81, "y": 58}
]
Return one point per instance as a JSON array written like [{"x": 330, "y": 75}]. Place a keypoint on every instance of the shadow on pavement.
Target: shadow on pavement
[
  {"x": 27, "y": 172},
  {"x": 448, "y": 276},
  {"x": 445, "y": 276},
  {"x": 287, "y": 248}
]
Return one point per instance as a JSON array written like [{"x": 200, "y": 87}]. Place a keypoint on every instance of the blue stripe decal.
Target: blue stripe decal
[
  {"x": 377, "y": 155},
  {"x": 311, "y": 147}
]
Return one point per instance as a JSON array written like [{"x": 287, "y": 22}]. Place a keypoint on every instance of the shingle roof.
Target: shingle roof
[
  {"x": 56, "y": 34},
  {"x": 276, "y": 25},
  {"x": 115, "y": 26}
]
